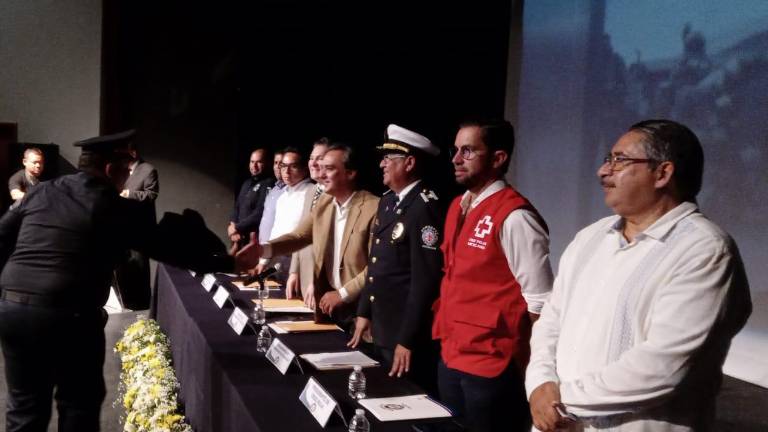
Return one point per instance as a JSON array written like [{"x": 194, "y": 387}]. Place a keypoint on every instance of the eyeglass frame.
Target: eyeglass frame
[
  {"x": 623, "y": 161},
  {"x": 470, "y": 152},
  {"x": 389, "y": 157},
  {"x": 292, "y": 166}
]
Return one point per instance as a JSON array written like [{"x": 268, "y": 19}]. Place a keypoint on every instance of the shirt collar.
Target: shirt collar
[
  {"x": 404, "y": 192},
  {"x": 659, "y": 229},
  {"x": 30, "y": 178},
  {"x": 485, "y": 193},
  {"x": 342, "y": 209},
  {"x": 297, "y": 185}
]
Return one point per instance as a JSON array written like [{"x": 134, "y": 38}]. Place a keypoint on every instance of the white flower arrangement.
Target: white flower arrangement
[{"x": 148, "y": 386}]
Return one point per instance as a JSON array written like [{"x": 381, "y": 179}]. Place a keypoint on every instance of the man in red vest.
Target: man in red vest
[{"x": 497, "y": 277}]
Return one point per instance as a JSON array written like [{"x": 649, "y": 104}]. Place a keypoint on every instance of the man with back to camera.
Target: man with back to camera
[
  {"x": 249, "y": 206},
  {"x": 646, "y": 301},
  {"x": 339, "y": 231},
  {"x": 25, "y": 178},
  {"x": 58, "y": 249},
  {"x": 302, "y": 268},
  {"x": 405, "y": 262},
  {"x": 497, "y": 276}
]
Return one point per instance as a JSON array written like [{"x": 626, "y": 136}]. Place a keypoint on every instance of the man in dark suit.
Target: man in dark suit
[
  {"x": 404, "y": 267},
  {"x": 132, "y": 277}
]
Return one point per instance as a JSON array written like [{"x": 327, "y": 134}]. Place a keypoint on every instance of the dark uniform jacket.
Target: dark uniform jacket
[
  {"x": 250, "y": 204},
  {"x": 67, "y": 235},
  {"x": 404, "y": 268}
]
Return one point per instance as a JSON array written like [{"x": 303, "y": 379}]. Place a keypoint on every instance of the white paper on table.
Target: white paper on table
[
  {"x": 278, "y": 330},
  {"x": 339, "y": 360},
  {"x": 404, "y": 408},
  {"x": 290, "y": 309}
]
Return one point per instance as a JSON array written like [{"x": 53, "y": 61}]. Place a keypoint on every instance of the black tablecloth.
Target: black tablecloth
[{"x": 226, "y": 385}]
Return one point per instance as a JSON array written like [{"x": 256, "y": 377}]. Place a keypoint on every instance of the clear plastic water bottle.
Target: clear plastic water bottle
[
  {"x": 359, "y": 423},
  {"x": 259, "y": 315},
  {"x": 263, "y": 340},
  {"x": 356, "y": 383}
]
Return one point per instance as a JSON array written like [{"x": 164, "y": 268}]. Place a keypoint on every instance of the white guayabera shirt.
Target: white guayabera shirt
[{"x": 635, "y": 333}]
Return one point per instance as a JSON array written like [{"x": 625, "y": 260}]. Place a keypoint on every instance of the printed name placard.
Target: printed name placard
[
  {"x": 221, "y": 296},
  {"x": 209, "y": 280},
  {"x": 280, "y": 355},
  {"x": 238, "y": 321},
  {"x": 319, "y": 402}
]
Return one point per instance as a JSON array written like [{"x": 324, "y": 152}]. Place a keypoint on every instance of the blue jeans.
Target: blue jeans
[{"x": 486, "y": 404}]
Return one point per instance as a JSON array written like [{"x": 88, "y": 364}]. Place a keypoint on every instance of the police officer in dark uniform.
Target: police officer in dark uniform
[
  {"x": 405, "y": 262},
  {"x": 58, "y": 249}
]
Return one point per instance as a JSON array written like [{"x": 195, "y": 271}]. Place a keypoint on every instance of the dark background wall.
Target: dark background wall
[{"x": 206, "y": 83}]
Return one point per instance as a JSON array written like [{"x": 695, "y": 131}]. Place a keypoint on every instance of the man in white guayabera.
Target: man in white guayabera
[{"x": 646, "y": 302}]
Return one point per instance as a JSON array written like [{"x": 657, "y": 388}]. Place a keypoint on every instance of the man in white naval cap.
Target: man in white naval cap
[{"x": 404, "y": 265}]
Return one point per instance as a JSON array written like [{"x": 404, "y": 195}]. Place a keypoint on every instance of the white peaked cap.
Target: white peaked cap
[{"x": 404, "y": 140}]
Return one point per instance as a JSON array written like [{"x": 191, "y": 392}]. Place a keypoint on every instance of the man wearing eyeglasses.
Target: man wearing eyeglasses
[
  {"x": 405, "y": 263},
  {"x": 497, "y": 276},
  {"x": 288, "y": 207},
  {"x": 339, "y": 230},
  {"x": 302, "y": 268},
  {"x": 645, "y": 303}
]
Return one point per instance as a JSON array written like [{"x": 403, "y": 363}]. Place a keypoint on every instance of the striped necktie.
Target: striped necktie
[{"x": 318, "y": 192}]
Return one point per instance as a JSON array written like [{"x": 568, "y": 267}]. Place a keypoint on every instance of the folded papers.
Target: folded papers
[
  {"x": 404, "y": 408},
  {"x": 339, "y": 360},
  {"x": 282, "y": 327}
]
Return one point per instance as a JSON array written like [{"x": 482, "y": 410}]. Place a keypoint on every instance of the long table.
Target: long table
[{"x": 226, "y": 385}]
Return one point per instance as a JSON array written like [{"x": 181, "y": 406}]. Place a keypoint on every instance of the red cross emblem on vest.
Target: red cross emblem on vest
[{"x": 483, "y": 227}]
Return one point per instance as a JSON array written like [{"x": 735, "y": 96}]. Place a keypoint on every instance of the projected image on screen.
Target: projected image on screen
[{"x": 704, "y": 63}]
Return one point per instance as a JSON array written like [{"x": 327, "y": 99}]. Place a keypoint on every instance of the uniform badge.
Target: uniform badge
[
  {"x": 427, "y": 195},
  {"x": 398, "y": 231},
  {"x": 429, "y": 237},
  {"x": 256, "y": 188}
]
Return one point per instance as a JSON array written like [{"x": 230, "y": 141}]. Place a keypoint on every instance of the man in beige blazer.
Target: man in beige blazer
[
  {"x": 302, "y": 271},
  {"x": 338, "y": 228}
]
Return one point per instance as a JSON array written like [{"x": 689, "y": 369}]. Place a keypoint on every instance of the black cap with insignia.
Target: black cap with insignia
[{"x": 106, "y": 144}]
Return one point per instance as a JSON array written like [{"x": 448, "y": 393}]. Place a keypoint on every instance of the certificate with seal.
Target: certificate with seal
[{"x": 404, "y": 408}]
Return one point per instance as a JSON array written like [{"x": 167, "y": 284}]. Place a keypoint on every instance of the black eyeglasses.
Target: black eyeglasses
[
  {"x": 619, "y": 162},
  {"x": 466, "y": 152},
  {"x": 290, "y": 166}
]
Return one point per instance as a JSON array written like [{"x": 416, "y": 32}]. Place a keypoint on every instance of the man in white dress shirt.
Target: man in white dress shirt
[
  {"x": 496, "y": 279},
  {"x": 645, "y": 303},
  {"x": 289, "y": 206}
]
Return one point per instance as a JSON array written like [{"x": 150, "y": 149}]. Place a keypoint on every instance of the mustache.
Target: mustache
[{"x": 605, "y": 183}]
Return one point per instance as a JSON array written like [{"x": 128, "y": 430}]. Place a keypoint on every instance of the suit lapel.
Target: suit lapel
[
  {"x": 354, "y": 213},
  {"x": 324, "y": 226},
  {"x": 386, "y": 215}
]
